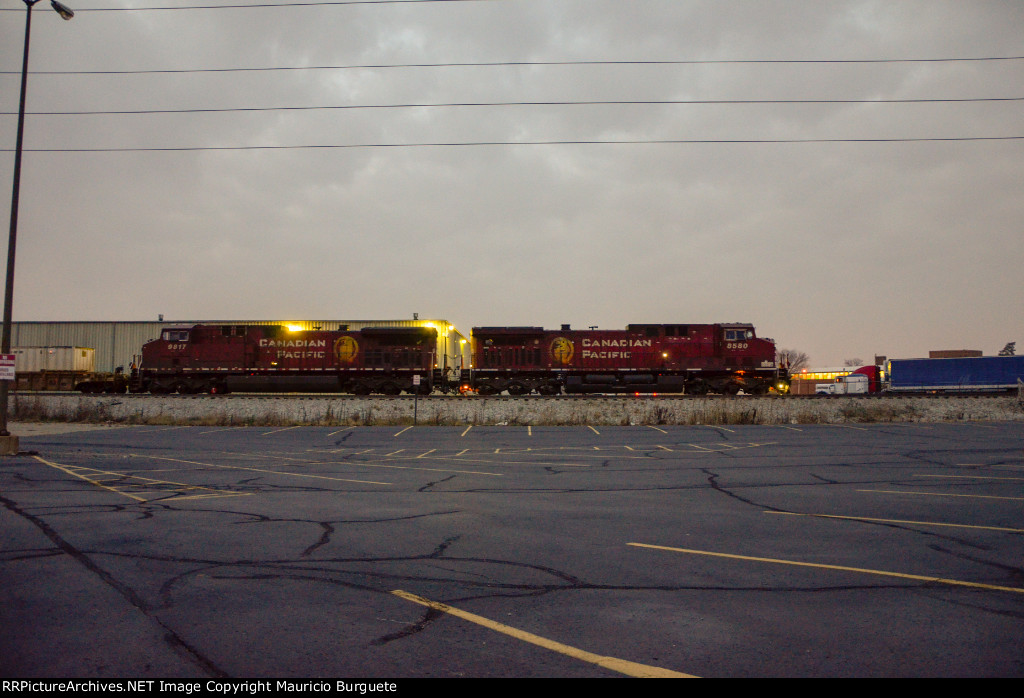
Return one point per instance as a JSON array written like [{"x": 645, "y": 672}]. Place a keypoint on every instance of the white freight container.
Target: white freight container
[
  {"x": 29, "y": 359},
  {"x": 68, "y": 359}
]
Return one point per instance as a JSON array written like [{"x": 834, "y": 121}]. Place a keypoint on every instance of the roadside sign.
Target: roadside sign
[
  {"x": 6, "y": 367},
  {"x": 416, "y": 380}
]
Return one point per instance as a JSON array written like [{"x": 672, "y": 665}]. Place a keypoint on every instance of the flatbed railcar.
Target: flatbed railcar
[
  {"x": 272, "y": 358},
  {"x": 643, "y": 358}
]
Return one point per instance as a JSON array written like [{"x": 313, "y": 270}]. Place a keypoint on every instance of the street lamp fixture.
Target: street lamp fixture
[
  {"x": 8, "y": 443},
  {"x": 64, "y": 11}
]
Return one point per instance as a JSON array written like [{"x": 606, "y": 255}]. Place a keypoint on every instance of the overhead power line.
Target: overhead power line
[
  {"x": 527, "y": 64},
  {"x": 258, "y": 5},
  {"x": 661, "y": 141},
  {"x": 543, "y": 103}
]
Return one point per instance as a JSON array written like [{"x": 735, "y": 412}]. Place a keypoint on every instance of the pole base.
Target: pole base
[{"x": 8, "y": 445}]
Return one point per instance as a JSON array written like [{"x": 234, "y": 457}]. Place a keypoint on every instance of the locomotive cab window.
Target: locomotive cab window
[{"x": 175, "y": 335}]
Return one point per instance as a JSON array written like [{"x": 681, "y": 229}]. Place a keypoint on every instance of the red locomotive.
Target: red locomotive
[
  {"x": 265, "y": 358},
  {"x": 696, "y": 359}
]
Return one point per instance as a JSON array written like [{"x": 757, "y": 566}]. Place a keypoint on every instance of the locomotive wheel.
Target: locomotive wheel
[
  {"x": 518, "y": 389},
  {"x": 730, "y": 389},
  {"x": 391, "y": 389},
  {"x": 549, "y": 389},
  {"x": 486, "y": 389},
  {"x": 360, "y": 389}
]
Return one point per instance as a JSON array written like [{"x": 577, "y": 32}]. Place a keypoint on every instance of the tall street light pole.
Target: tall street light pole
[{"x": 8, "y": 443}]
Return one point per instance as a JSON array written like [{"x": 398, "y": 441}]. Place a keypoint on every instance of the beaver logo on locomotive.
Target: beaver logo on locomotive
[
  {"x": 562, "y": 350},
  {"x": 346, "y": 349}
]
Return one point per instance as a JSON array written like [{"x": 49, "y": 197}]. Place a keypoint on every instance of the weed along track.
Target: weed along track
[{"x": 304, "y": 410}]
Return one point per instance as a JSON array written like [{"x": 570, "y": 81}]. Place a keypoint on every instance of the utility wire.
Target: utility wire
[
  {"x": 507, "y": 64},
  {"x": 714, "y": 141},
  {"x": 257, "y": 5},
  {"x": 545, "y": 103}
]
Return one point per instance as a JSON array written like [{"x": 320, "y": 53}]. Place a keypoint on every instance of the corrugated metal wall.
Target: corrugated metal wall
[{"x": 117, "y": 342}]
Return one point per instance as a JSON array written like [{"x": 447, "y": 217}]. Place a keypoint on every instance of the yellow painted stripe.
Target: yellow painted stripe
[
  {"x": 943, "y": 494},
  {"x": 403, "y": 431},
  {"x": 898, "y": 521},
  {"x": 467, "y": 430},
  {"x": 257, "y": 470},
  {"x": 974, "y": 477},
  {"x": 428, "y": 470},
  {"x": 275, "y": 431},
  {"x": 138, "y": 483},
  {"x": 621, "y": 666},
  {"x": 529, "y": 431},
  {"x": 96, "y": 483},
  {"x": 841, "y": 568},
  {"x": 656, "y": 429},
  {"x": 340, "y": 430},
  {"x": 594, "y": 430}
]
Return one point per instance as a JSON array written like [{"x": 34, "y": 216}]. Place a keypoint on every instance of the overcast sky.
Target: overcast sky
[{"x": 840, "y": 247}]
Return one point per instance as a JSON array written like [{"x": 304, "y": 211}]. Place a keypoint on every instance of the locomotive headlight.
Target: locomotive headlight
[{"x": 294, "y": 328}]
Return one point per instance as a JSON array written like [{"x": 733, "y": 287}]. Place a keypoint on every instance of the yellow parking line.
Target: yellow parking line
[
  {"x": 137, "y": 483},
  {"x": 278, "y": 430},
  {"x": 841, "y": 568},
  {"x": 259, "y": 470},
  {"x": 467, "y": 430},
  {"x": 594, "y": 430},
  {"x": 403, "y": 431},
  {"x": 974, "y": 477},
  {"x": 621, "y": 666},
  {"x": 656, "y": 429},
  {"x": 944, "y": 494},
  {"x": 340, "y": 430},
  {"x": 898, "y": 521}
]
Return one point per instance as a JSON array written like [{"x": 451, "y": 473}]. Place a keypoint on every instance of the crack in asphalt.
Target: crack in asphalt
[{"x": 171, "y": 637}]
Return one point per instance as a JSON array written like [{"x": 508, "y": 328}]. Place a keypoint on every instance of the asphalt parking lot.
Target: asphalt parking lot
[{"x": 823, "y": 550}]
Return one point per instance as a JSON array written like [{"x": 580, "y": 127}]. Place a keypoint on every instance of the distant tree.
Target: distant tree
[
  {"x": 793, "y": 359},
  {"x": 1009, "y": 350},
  {"x": 853, "y": 362}
]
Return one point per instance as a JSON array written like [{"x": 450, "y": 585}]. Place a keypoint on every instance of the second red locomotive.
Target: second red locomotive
[{"x": 695, "y": 359}]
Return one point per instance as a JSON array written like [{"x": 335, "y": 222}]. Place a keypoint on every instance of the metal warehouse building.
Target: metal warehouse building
[{"x": 115, "y": 343}]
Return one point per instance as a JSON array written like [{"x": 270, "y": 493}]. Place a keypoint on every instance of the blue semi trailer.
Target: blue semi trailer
[{"x": 976, "y": 374}]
